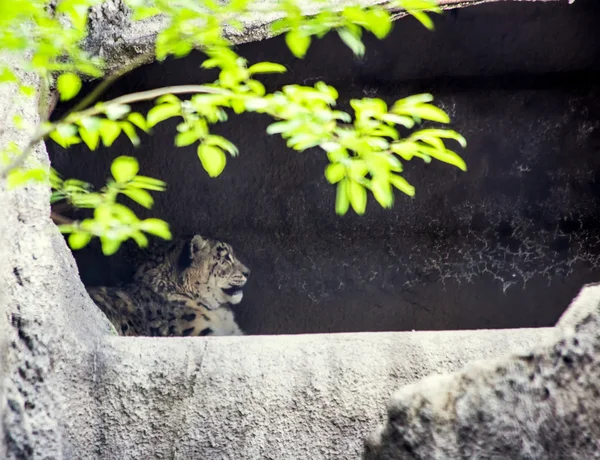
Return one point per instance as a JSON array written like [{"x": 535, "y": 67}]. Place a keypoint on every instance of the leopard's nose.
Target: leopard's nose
[{"x": 246, "y": 272}]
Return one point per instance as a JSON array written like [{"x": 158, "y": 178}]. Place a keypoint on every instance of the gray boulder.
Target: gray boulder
[{"x": 542, "y": 404}]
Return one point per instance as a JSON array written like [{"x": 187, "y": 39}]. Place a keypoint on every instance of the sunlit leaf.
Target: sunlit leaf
[
  {"x": 212, "y": 158},
  {"x": 130, "y": 132},
  {"x": 297, "y": 42},
  {"x": 423, "y": 18},
  {"x": 124, "y": 168},
  {"x": 444, "y": 133},
  {"x": 68, "y": 85},
  {"x": 156, "y": 227},
  {"x": 352, "y": 41},
  {"x": 430, "y": 112},
  {"x": 266, "y": 67},
  {"x": 78, "y": 240},
  {"x": 109, "y": 131},
  {"x": 335, "y": 172},
  {"x": 450, "y": 157},
  {"x": 140, "y": 239},
  {"x": 148, "y": 183},
  {"x": 223, "y": 143},
  {"x": 358, "y": 197},
  {"x": 138, "y": 120},
  {"x": 91, "y": 138},
  {"x": 161, "y": 113},
  {"x": 109, "y": 245},
  {"x": 186, "y": 138},
  {"x": 139, "y": 196},
  {"x": 382, "y": 192},
  {"x": 342, "y": 201},
  {"x": 401, "y": 184},
  {"x": 380, "y": 22}
]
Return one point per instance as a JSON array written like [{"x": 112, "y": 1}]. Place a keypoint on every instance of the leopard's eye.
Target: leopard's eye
[{"x": 230, "y": 257}]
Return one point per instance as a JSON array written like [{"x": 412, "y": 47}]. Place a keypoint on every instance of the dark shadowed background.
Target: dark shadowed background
[{"x": 506, "y": 244}]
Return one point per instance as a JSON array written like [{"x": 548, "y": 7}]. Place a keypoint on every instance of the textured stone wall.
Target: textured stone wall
[
  {"x": 539, "y": 404},
  {"x": 519, "y": 229}
]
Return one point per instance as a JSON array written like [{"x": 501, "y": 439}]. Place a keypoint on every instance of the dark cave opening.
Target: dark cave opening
[{"x": 506, "y": 244}]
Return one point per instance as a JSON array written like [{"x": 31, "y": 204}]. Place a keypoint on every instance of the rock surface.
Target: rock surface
[
  {"x": 542, "y": 404},
  {"x": 48, "y": 325}
]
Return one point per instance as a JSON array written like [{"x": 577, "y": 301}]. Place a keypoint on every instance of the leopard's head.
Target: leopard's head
[{"x": 210, "y": 271}]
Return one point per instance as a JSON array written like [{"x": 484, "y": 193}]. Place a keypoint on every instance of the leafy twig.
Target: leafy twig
[
  {"x": 98, "y": 90},
  {"x": 99, "y": 108}
]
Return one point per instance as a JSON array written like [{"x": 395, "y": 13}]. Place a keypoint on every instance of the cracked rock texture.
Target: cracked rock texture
[
  {"x": 48, "y": 325},
  {"x": 542, "y": 404},
  {"x": 481, "y": 249}
]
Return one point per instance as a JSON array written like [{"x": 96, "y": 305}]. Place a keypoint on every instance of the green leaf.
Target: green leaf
[
  {"x": 413, "y": 100},
  {"x": 423, "y": 18},
  {"x": 212, "y": 158},
  {"x": 148, "y": 183},
  {"x": 430, "y": 112},
  {"x": 342, "y": 202},
  {"x": 140, "y": 239},
  {"x": 186, "y": 138},
  {"x": 279, "y": 127},
  {"x": 444, "y": 133},
  {"x": 352, "y": 41},
  {"x": 382, "y": 192},
  {"x": 450, "y": 157},
  {"x": 168, "y": 99},
  {"x": 161, "y": 113},
  {"x": 407, "y": 122},
  {"x": 405, "y": 149},
  {"x": 401, "y": 184},
  {"x": 266, "y": 67},
  {"x": 358, "y": 197},
  {"x": 124, "y": 168},
  {"x": 78, "y": 240},
  {"x": 335, "y": 172},
  {"x": 109, "y": 131},
  {"x": 380, "y": 22},
  {"x": 109, "y": 245},
  {"x": 156, "y": 227},
  {"x": 256, "y": 87},
  {"x": 91, "y": 138},
  {"x": 60, "y": 140},
  {"x": 139, "y": 196},
  {"x": 138, "y": 120},
  {"x": 223, "y": 143},
  {"x": 130, "y": 132},
  {"x": 68, "y": 85},
  {"x": 297, "y": 42}
]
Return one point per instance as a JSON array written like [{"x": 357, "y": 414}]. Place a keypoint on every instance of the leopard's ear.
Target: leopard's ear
[{"x": 192, "y": 248}]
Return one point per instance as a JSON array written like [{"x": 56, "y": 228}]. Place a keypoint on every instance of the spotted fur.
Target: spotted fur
[{"x": 186, "y": 291}]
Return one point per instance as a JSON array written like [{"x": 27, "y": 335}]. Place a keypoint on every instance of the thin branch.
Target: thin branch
[
  {"x": 98, "y": 90},
  {"x": 127, "y": 99},
  {"x": 144, "y": 96},
  {"x": 58, "y": 219}
]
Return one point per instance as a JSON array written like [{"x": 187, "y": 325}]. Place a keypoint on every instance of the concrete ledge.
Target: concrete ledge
[{"x": 282, "y": 397}]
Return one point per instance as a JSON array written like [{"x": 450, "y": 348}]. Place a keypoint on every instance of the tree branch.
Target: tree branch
[{"x": 127, "y": 99}]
